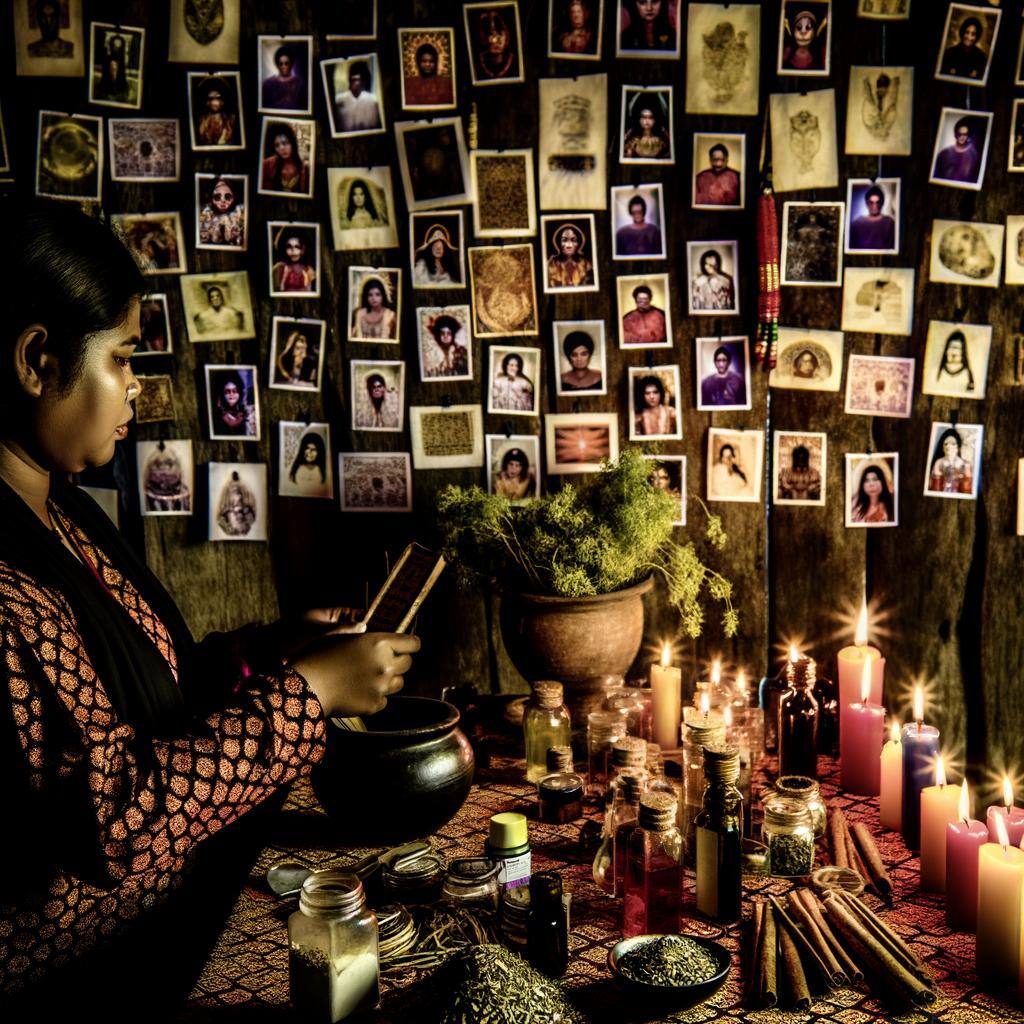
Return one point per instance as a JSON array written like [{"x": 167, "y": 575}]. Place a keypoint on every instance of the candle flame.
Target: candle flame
[
  {"x": 894, "y": 732},
  {"x": 919, "y": 704},
  {"x": 666, "y": 654},
  {"x": 1001, "y": 835},
  {"x": 794, "y": 654},
  {"x": 705, "y": 703},
  {"x": 727, "y": 715},
  {"x": 860, "y": 634},
  {"x": 716, "y": 671},
  {"x": 1007, "y": 791},
  {"x": 865, "y": 681},
  {"x": 741, "y": 683},
  {"x": 965, "y": 803},
  {"x": 940, "y": 772}
]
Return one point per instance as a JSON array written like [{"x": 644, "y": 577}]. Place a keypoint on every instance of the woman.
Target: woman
[
  {"x": 233, "y": 416},
  {"x": 727, "y": 477},
  {"x": 712, "y": 289},
  {"x": 575, "y": 36},
  {"x": 291, "y": 271},
  {"x": 650, "y": 27},
  {"x": 568, "y": 267},
  {"x": 309, "y": 467},
  {"x": 873, "y": 501},
  {"x": 954, "y": 367},
  {"x": 805, "y": 366},
  {"x": 110, "y": 758},
  {"x": 966, "y": 59},
  {"x": 436, "y": 260},
  {"x": 647, "y": 136},
  {"x": 578, "y": 348},
  {"x": 950, "y": 473},
  {"x": 495, "y": 56},
  {"x": 222, "y": 218},
  {"x": 447, "y": 357},
  {"x": 515, "y": 479},
  {"x": 361, "y": 211},
  {"x": 219, "y": 124},
  {"x": 374, "y": 319},
  {"x": 656, "y": 417},
  {"x": 381, "y": 410},
  {"x": 295, "y": 365},
  {"x": 283, "y": 169},
  {"x": 512, "y": 390},
  {"x": 805, "y": 43}
]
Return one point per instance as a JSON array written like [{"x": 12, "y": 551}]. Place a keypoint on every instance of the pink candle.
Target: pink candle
[
  {"x": 851, "y": 662},
  {"x": 860, "y": 740},
  {"x": 1013, "y": 817},
  {"x": 964, "y": 838}
]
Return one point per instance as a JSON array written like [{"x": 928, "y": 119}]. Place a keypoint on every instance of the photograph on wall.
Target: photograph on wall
[
  {"x": 735, "y": 461},
  {"x": 204, "y": 33},
  {"x": 377, "y": 394},
  {"x": 217, "y": 307},
  {"x": 572, "y": 157},
  {"x": 804, "y": 140},
  {"x": 880, "y": 111},
  {"x": 1020, "y": 497},
  {"x": 723, "y": 58},
  {"x": 296, "y": 353},
  {"x": 375, "y": 482},
  {"x": 155, "y": 336},
  {"x": 115, "y": 57},
  {"x": 222, "y": 211},
  {"x": 374, "y": 302},
  {"x": 362, "y": 208},
  {"x": 304, "y": 462},
  {"x": 215, "y": 108},
  {"x": 155, "y": 402},
  {"x": 69, "y": 156},
  {"x": 966, "y": 252},
  {"x": 285, "y": 85},
  {"x": 723, "y": 373},
  {"x": 513, "y": 466},
  {"x": 578, "y": 442},
  {"x": 878, "y": 300},
  {"x": 645, "y": 320},
  {"x": 352, "y": 95},
  {"x": 154, "y": 239},
  {"x": 879, "y": 386},
  {"x": 799, "y": 462},
  {"x": 873, "y": 216},
  {"x": 805, "y": 31},
  {"x": 514, "y": 381},
  {"x": 954, "y": 463},
  {"x": 719, "y": 164},
  {"x": 668, "y": 474},
  {"x": 570, "y": 253},
  {"x": 5, "y": 155},
  {"x": 580, "y": 357},
  {"x": 638, "y": 222},
  {"x": 239, "y": 501},
  {"x": 808, "y": 360},
  {"x": 428, "y": 68},
  {"x": 884, "y": 10},
  {"x": 961, "y": 148},
  {"x": 645, "y": 131},
  {"x": 872, "y": 489},
  {"x": 288, "y": 155},
  {"x": 494, "y": 41},
  {"x": 1015, "y": 162},
  {"x": 433, "y": 162},
  {"x": 646, "y": 29},
  {"x": 503, "y": 193},
  {"x": 714, "y": 289},
  {"x": 293, "y": 259},
  {"x": 654, "y": 395},
  {"x": 1015, "y": 249},
  {"x": 445, "y": 343},
  {"x": 574, "y": 29},
  {"x": 503, "y": 290},
  {"x": 144, "y": 149},
  {"x": 350, "y": 19},
  {"x": 1018, "y": 78},
  {"x": 956, "y": 359},
  {"x": 232, "y": 402},
  {"x": 48, "y": 38},
  {"x": 450, "y": 437},
  {"x": 436, "y": 249},
  {"x": 812, "y": 244},
  {"x": 965, "y": 54},
  {"x": 166, "y": 477}
]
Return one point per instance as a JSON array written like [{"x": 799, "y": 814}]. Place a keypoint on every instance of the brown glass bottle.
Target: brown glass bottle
[{"x": 799, "y": 718}]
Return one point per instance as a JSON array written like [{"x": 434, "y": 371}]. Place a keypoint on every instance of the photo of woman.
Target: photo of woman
[
  {"x": 712, "y": 285},
  {"x": 655, "y": 396},
  {"x": 288, "y": 154},
  {"x": 804, "y": 38},
  {"x": 646, "y": 125},
  {"x": 444, "y": 343},
  {"x": 513, "y": 375},
  {"x": 516, "y": 479},
  {"x": 296, "y": 354},
  {"x": 238, "y": 501},
  {"x": 294, "y": 256},
  {"x": 362, "y": 207},
  {"x": 304, "y": 461},
  {"x": 574, "y": 29},
  {"x": 222, "y": 202},
  {"x": 232, "y": 403},
  {"x": 647, "y": 28},
  {"x": 372, "y": 299},
  {"x": 872, "y": 496},
  {"x": 436, "y": 255},
  {"x": 953, "y": 469},
  {"x": 569, "y": 265},
  {"x": 969, "y": 40},
  {"x": 580, "y": 359},
  {"x": 377, "y": 394},
  {"x": 216, "y": 121},
  {"x": 956, "y": 359},
  {"x": 494, "y": 40},
  {"x": 668, "y": 474}
]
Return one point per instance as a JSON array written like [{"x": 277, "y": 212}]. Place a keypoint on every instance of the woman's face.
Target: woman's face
[
  {"x": 803, "y": 30},
  {"x": 294, "y": 249},
  {"x": 283, "y": 147},
  {"x": 636, "y": 211},
  {"x": 497, "y": 38},
  {"x": 659, "y": 478},
  {"x": 727, "y": 457},
  {"x": 568, "y": 243},
  {"x": 514, "y": 468},
  {"x": 710, "y": 265},
  {"x": 215, "y": 298},
  {"x": 427, "y": 64},
  {"x": 805, "y": 365},
  {"x": 872, "y": 484},
  {"x": 223, "y": 197},
  {"x": 577, "y": 15},
  {"x": 309, "y": 452},
  {"x": 214, "y": 102},
  {"x": 648, "y": 10},
  {"x": 652, "y": 396},
  {"x": 377, "y": 389},
  {"x": 300, "y": 348},
  {"x": 969, "y": 36},
  {"x": 955, "y": 355},
  {"x": 646, "y": 121},
  {"x": 374, "y": 298},
  {"x": 437, "y": 249},
  {"x": 444, "y": 336},
  {"x": 230, "y": 394},
  {"x": 358, "y": 195},
  {"x": 579, "y": 357},
  {"x": 513, "y": 368},
  {"x": 950, "y": 448}
]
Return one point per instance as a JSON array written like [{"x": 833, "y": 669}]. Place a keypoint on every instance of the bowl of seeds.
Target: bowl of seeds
[{"x": 683, "y": 970}]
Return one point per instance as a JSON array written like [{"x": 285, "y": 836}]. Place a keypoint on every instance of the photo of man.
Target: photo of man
[
  {"x": 724, "y": 373},
  {"x": 351, "y": 100},
  {"x": 638, "y": 234},
  {"x": 644, "y": 324},
  {"x": 718, "y": 185},
  {"x": 961, "y": 148},
  {"x": 284, "y": 66},
  {"x": 872, "y": 208},
  {"x": 428, "y": 73}
]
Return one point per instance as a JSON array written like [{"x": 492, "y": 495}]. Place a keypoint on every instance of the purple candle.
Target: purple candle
[
  {"x": 860, "y": 741},
  {"x": 964, "y": 838},
  {"x": 920, "y": 748},
  {"x": 1013, "y": 817}
]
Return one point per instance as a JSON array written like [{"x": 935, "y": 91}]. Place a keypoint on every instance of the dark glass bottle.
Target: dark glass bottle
[
  {"x": 719, "y": 837},
  {"x": 547, "y": 932},
  {"x": 798, "y": 720}
]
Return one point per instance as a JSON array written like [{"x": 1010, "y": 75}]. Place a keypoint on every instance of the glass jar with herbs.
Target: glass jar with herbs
[
  {"x": 808, "y": 791},
  {"x": 788, "y": 833},
  {"x": 545, "y": 724},
  {"x": 471, "y": 882}
]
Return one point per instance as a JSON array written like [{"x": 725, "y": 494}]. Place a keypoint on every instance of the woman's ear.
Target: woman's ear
[{"x": 34, "y": 363}]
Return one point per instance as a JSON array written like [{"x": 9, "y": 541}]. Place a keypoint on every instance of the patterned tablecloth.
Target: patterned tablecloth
[{"x": 247, "y": 970}]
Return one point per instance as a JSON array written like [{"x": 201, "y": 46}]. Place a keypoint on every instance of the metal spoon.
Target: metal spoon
[{"x": 285, "y": 878}]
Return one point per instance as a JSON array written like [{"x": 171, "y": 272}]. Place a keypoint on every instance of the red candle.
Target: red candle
[
  {"x": 1013, "y": 817},
  {"x": 860, "y": 740},
  {"x": 964, "y": 838}
]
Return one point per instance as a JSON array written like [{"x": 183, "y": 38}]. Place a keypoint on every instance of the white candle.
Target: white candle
[
  {"x": 940, "y": 807},
  {"x": 851, "y": 665},
  {"x": 1000, "y": 888},
  {"x": 666, "y": 700},
  {"x": 890, "y": 804}
]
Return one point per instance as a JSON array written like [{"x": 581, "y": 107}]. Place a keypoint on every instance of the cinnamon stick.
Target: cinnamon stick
[
  {"x": 755, "y": 944},
  {"x": 796, "y": 980},
  {"x": 837, "y": 975},
  {"x": 786, "y": 924},
  {"x": 765, "y": 989},
  {"x": 874, "y": 924},
  {"x": 810, "y": 901},
  {"x": 872, "y": 859},
  {"x": 836, "y": 828}
]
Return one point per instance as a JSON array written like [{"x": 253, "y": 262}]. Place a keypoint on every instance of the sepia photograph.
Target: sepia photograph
[
  {"x": 215, "y": 108},
  {"x": 967, "y": 44},
  {"x": 884, "y": 10},
  {"x": 645, "y": 320},
  {"x": 69, "y": 156},
  {"x": 723, "y": 373},
  {"x": 654, "y": 403},
  {"x": 638, "y": 222},
  {"x": 799, "y": 461},
  {"x": 805, "y": 30},
  {"x": 812, "y": 244},
  {"x": 879, "y": 386},
  {"x": 239, "y": 501},
  {"x": 288, "y": 155},
  {"x": 285, "y": 85},
  {"x": 296, "y": 353},
  {"x": 144, "y": 148},
  {"x": 217, "y": 307},
  {"x": 503, "y": 291},
  {"x": 436, "y": 249},
  {"x": 872, "y": 489},
  {"x": 494, "y": 41},
  {"x": 115, "y": 57},
  {"x": 961, "y": 148},
  {"x": 513, "y": 466},
  {"x": 514, "y": 377},
  {"x": 374, "y": 302},
  {"x": 735, "y": 461},
  {"x": 166, "y": 477},
  {"x": 808, "y": 360},
  {"x": 570, "y": 253},
  {"x": 1015, "y": 249},
  {"x": 880, "y": 111},
  {"x": 433, "y": 162},
  {"x": 647, "y": 29},
  {"x": 719, "y": 165},
  {"x": 1015, "y": 161},
  {"x": 375, "y": 481},
  {"x": 573, "y": 149},
  {"x": 204, "y": 34},
  {"x": 873, "y": 216},
  {"x": 293, "y": 258},
  {"x": 304, "y": 461},
  {"x": 428, "y": 68},
  {"x": 445, "y": 343},
  {"x": 711, "y": 269},
  {"x": 668, "y": 474},
  {"x": 362, "y": 207},
  {"x": 154, "y": 239},
  {"x": 574, "y": 29},
  {"x": 579, "y": 350},
  {"x": 578, "y": 442},
  {"x": 878, "y": 300},
  {"x": 155, "y": 402},
  {"x": 956, "y": 359},
  {"x": 155, "y": 337},
  {"x": 352, "y": 96},
  {"x": 503, "y": 193},
  {"x": 377, "y": 394},
  {"x": 232, "y": 402},
  {"x": 447, "y": 437},
  {"x": 723, "y": 58},
  {"x": 48, "y": 38},
  {"x": 966, "y": 252},
  {"x": 222, "y": 212},
  {"x": 645, "y": 131},
  {"x": 803, "y": 128},
  {"x": 954, "y": 463}
]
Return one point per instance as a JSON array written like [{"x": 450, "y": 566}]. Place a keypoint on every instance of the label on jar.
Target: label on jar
[
  {"x": 707, "y": 871},
  {"x": 514, "y": 871}
]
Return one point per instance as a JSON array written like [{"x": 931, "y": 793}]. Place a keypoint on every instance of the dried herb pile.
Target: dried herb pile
[{"x": 669, "y": 960}]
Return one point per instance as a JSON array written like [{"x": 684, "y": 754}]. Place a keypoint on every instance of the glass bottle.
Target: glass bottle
[
  {"x": 827, "y": 695},
  {"x": 545, "y": 724},
  {"x": 719, "y": 837},
  {"x": 798, "y": 722},
  {"x": 625, "y": 824},
  {"x": 788, "y": 833},
  {"x": 547, "y": 932},
  {"x": 603, "y": 729},
  {"x": 654, "y": 871},
  {"x": 628, "y": 753},
  {"x": 698, "y": 732},
  {"x": 561, "y": 798},
  {"x": 333, "y": 968},
  {"x": 619, "y": 811},
  {"x": 471, "y": 882},
  {"x": 808, "y": 792},
  {"x": 626, "y": 701}
]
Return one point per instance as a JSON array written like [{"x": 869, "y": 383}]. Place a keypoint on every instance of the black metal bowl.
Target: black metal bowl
[{"x": 679, "y": 996}]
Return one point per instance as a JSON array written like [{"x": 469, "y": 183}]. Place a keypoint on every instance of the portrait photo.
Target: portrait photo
[
  {"x": 433, "y": 162},
  {"x": 723, "y": 58},
  {"x": 573, "y": 149},
  {"x": 144, "y": 148},
  {"x": 872, "y": 489},
  {"x": 503, "y": 290},
  {"x": 647, "y": 28},
  {"x": 805, "y": 31},
  {"x": 879, "y": 386},
  {"x": 166, "y": 477},
  {"x": 215, "y": 108},
  {"x": 808, "y": 360},
  {"x": 232, "y": 402},
  {"x": 5, "y": 155},
  {"x": 580, "y": 358},
  {"x": 48, "y": 38},
  {"x": 645, "y": 319},
  {"x": 450, "y": 437},
  {"x": 812, "y": 244},
  {"x": 115, "y": 57},
  {"x": 1015, "y": 249},
  {"x": 296, "y": 353},
  {"x": 350, "y": 19},
  {"x": 668, "y": 474},
  {"x": 352, "y": 95},
  {"x": 654, "y": 403},
  {"x": 155, "y": 337},
  {"x": 570, "y": 253},
  {"x": 961, "y": 148},
  {"x": 878, "y": 300},
  {"x": 735, "y": 461},
  {"x": 428, "y": 68},
  {"x": 574, "y": 29},
  {"x": 799, "y": 461},
  {"x": 494, "y": 41},
  {"x": 445, "y": 343},
  {"x": 239, "y": 501},
  {"x": 284, "y": 64},
  {"x": 288, "y": 155},
  {"x": 155, "y": 402},
  {"x": 880, "y": 111},
  {"x": 503, "y": 193},
  {"x": 374, "y": 302},
  {"x": 1018, "y": 78},
  {"x": 375, "y": 482},
  {"x": 362, "y": 208},
  {"x": 69, "y": 156},
  {"x": 714, "y": 289},
  {"x": 956, "y": 359},
  {"x": 293, "y": 259},
  {"x": 1015, "y": 161},
  {"x": 638, "y": 222},
  {"x": 514, "y": 376},
  {"x": 436, "y": 249},
  {"x": 578, "y": 442},
  {"x": 377, "y": 394},
  {"x": 154, "y": 239},
  {"x": 723, "y": 373},
  {"x": 645, "y": 131},
  {"x": 967, "y": 44},
  {"x": 513, "y": 466},
  {"x": 884, "y": 10},
  {"x": 719, "y": 162},
  {"x": 222, "y": 212},
  {"x": 804, "y": 140},
  {"x": 206, "y": 35},
  {"x": 304, "y": 460},
  {"x": 873, "y": 216},
  {"x": 217, "y": 307},
  {"x": 954, "y": 462},
  {"x": 966, "y": 252}
]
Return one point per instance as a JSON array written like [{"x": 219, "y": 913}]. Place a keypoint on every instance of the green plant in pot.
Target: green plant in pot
[{"x": 572, "y": 569}]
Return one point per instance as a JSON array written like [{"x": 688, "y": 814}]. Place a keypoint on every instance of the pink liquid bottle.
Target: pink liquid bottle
[{"x": 654, "y": 871}]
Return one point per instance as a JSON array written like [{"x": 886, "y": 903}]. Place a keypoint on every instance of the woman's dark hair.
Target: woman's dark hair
[
  {"x": 509, "y": 356},
  {"x": 369, "y": 206},
  {"x": 718, "y": 148},
  {"x": 806, "y": 352},
  {"x": 442, "y": 321},
  {"x": 642, "y": 288},
  {"x": 371, "y": 382},
  {"x": 576, "y": 339},
  {"x": 423, "y": 49},
  {"x": 373, "y": 282},
  {"x": 722, "y": 350},
  {"x": 874, "y": 191},
  {"x": 74, "y": 276},
  {"x": 284, "y": 51},
  {"x": 649, "y": 380},
  {"x": 647, "y": 101},
  {"x": 225, "y": 179},
  {"x": 662, "y": 23},
  {"x": 518, "y": 455},
  {"x": 217, "y": 84},
  {"x": 285, "y": 129},
  {"x": 962, "y": 338},
  {"x": 231, "y": 377},
  {"x": 314, "y": 439},
  {"x": 966, "y": 23},
  {"x": 862, "y": 502},
  {"x": 709, "y": 254},
  {"x": 735, "y": 469},
  {"x": 938, "y": 451},
  {"x": 637, "y": 200}
]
